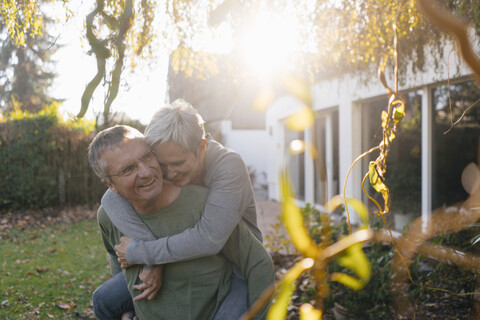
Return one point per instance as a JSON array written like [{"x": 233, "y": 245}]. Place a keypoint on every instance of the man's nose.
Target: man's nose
[{"x": 143, "y": 169}]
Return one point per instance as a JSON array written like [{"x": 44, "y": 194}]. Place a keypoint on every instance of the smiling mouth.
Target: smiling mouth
[{"x": 148, "y": 183}]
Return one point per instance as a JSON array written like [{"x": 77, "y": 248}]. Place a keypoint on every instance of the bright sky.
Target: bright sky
[
  {"x": 266, "y": 47},
  {"x": 144, "y": 94}
]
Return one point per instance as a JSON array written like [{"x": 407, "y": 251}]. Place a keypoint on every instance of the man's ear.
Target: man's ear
[{"x": 111, "y": 186}]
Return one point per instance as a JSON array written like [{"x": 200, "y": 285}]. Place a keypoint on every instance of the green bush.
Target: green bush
[{"x": 43, "y": 161}]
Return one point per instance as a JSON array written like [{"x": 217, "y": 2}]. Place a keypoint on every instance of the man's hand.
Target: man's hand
[
  {"x": 121, "y": 251},
  {"x": 152, "y": 282}
]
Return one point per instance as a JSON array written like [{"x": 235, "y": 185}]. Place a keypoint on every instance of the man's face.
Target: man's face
[
  {"x": 179, "y": 166},
  {"x": 134, "y": 171}
]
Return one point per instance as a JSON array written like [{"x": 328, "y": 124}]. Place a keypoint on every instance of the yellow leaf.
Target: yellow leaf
[
  {"x": 347, "y": 280},
  {"x": 308, "y": 312},
  {"x": 355, "y": 259},
  {"x": 361, "y": 210},
  {"x": 399, "y": 111},
  {"x": 384, "y": 119},
  {"x": 357, "y": 205},
  {"x": 378, "y": 184},
  {"x": 278, "y": 310},
  {"x": 375, "y": 180},
  {"x": 300, "y": 120},
  {"x": 293, "y": 220}
]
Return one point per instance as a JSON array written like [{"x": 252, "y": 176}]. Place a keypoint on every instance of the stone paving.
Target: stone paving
[{"x": 268, "y": 214}]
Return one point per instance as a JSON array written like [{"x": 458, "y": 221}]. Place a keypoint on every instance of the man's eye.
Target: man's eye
[{"x": 128, "y": 170}]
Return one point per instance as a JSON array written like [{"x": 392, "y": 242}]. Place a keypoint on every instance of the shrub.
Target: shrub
[{"x": 43, "y": 161}]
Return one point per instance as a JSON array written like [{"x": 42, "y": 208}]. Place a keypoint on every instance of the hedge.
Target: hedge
[{"x": 43, "y": 162}]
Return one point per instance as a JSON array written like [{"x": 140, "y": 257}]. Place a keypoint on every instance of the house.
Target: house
[{"x": 427, "y": 167}]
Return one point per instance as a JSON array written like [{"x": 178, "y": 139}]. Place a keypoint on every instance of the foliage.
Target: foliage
[
  {"x": 373, "y": 301},
  {"x": 52, "y": 271},
  {"x": 347, "y": 252},
  {"x": 25, "y": 147},
  {"x": 22, "y": 19},
  {"x": 43, "y": 161},
  {"x": 335, "y": 38},
  {"x": 25, "y": 56}
]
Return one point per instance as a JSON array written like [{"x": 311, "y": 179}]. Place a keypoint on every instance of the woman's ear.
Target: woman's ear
[{"x": 203, "y": 147}]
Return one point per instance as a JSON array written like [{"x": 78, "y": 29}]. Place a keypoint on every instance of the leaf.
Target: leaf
[
  {"x": 40, "y": 270},
  {"x": 361, "y": 210},
  {"x": 384, "y": 119},
  {"x": 63, "y": 305},
  {"x": 301, "y": 120},
  {"x": 354, "y": 259},
  {"x": 378, "y": 184},
  {"x": 398, "y": 111},
  {"x": 347, "y": 280},
  {"x": 308, "y": 312},
  {"x": 357, "y": 205},
  {"x": 66, "y": 306},
  {"x": 293, "y": 220},
  {"x": 278, "y": 310}
]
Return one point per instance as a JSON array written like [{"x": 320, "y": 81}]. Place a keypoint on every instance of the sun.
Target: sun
[{"x": 267, "y": 43}]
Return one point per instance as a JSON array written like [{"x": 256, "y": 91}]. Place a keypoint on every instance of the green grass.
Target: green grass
[{"x": 51, "y": 272}]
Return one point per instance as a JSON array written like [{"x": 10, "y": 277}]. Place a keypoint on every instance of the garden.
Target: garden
[{"x": 334, "y": 260}]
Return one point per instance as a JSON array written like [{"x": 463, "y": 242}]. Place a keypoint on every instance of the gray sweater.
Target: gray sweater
[{"x": 230, "y": 200}]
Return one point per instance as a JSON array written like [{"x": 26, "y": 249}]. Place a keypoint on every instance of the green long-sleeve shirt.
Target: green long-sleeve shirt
[{"x": 193, "y": 289}]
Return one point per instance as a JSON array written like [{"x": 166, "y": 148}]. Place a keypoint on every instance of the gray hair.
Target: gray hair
[
  {"x": 178, "y": 122},
  {"x": 105, "y": 140}
]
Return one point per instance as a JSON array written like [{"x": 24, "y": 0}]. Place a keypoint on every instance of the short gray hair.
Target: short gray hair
[
  {"x": 178, "y": 122},
  {"x": 105, "y": 140}
]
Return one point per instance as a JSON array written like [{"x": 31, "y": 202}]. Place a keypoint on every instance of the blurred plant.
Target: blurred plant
[
  {"x": 346, "y": 250},
  {"x": 43, "y": 161},
  {"x": 279, "y": 242}
]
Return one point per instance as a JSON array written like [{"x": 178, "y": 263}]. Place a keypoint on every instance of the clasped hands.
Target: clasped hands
[{"x": 151, "y": 277}]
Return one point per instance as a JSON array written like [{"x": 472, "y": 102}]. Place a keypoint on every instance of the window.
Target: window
[
  {"x": 326, "y": 162},
  {"x": 452, "y": 151},
  {"x": 296, "y": 164},
  {"x": 403, "y": 177}
]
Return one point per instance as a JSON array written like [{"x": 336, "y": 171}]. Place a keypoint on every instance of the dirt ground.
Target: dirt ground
[{"x": 268, "y": 213}]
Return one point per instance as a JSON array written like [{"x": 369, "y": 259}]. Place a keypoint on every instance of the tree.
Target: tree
[
  {"x": 333, "y": 38},
  {"x": 25, "y": 67}
]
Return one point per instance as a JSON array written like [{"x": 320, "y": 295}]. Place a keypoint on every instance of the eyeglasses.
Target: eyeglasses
[{"x": 146, "y": 158}]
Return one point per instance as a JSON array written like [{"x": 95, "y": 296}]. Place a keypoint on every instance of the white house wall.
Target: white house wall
[
  {"x": 345, "y": 94},
  {"x": 251, "y": 145}
]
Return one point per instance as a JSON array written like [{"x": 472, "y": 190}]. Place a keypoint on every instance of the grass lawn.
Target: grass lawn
[{"x": 52, "y": 271}]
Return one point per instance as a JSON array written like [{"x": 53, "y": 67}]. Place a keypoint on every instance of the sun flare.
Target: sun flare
[{"x": 268, "y": 42}]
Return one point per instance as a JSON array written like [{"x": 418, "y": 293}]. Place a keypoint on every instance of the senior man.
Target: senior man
[
  {"x": 187, "y": 156},
  {"x": 191, "y": 289}
]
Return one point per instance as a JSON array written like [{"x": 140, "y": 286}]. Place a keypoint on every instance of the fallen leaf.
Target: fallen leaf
[
  {"x": 64, "y": 306},
  {"x": 22, "y": 261},
  {"x": 40, "y": 270}
]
